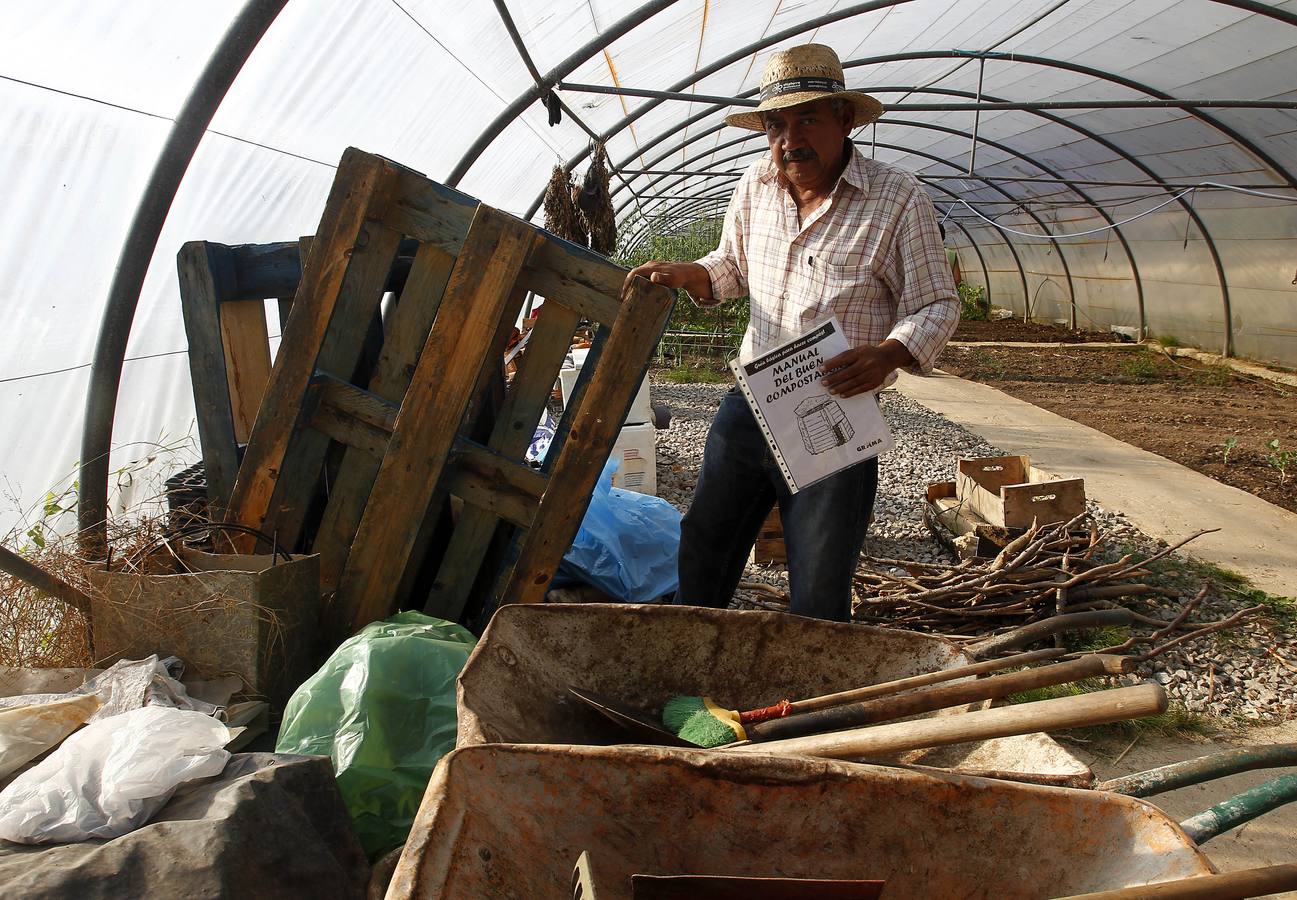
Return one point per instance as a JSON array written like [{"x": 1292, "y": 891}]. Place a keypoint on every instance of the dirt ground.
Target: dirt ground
[
  {"x": 1265, "y": 841},
  {"x": 1178, "y": 408},
  {"x": 1036, "y": 332}
]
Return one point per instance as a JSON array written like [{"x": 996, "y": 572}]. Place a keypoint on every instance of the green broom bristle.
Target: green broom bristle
[
  {"x": 678, "y": 711},
  {"x": 705, "y": 730}
]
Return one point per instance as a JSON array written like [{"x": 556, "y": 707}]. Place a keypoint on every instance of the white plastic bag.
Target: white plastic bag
[{"x": 112, "y": 776}]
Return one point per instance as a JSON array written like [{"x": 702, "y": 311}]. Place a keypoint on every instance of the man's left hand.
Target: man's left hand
[{"x": 864, "y": 368}]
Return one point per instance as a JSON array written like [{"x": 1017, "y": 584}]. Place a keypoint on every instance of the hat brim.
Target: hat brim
[{"x": 867, "y": 108}]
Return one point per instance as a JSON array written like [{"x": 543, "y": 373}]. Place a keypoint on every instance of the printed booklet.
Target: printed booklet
[{"x": 812, "y": 434}]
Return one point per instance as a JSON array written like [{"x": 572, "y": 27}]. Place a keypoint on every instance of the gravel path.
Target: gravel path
[{"x": 1249, "y": 672}]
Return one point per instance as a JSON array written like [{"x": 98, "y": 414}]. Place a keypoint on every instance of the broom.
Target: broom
[{"x": 705, "y": 723}]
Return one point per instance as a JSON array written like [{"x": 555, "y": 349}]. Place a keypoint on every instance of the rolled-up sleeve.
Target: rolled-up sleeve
[
  {"x": 927, "y": 304},
  {"x": 727, "y": 265}
]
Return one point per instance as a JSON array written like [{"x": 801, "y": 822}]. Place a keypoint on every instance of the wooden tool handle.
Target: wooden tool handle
[
  {"x": 917, "y": 681},
  {"x": 1044, "y": 715},
  {"x": 1231, "y": 885},
  {"x": 938, "y": 696}
]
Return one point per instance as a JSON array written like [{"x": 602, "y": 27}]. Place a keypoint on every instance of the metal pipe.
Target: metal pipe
[
  {"x": 503, "y": 10},
  {"x": 546, "y": 82},
  {"x": 1204, "y": 768},
  {"x": 244, "y": 33},
  {"x": 978, "y": 106},
  {"x": 1240, "y": 809},
  {"x": 711, "y": 68}
]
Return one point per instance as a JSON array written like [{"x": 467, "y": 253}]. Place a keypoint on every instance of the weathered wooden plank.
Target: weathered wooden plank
[
  {"x": 339, "y": 290},
  {"x": 351, "y": 415},
  {"x": 263, "y": 271},
  {"x": 600, "y": 411},
  {"x": 407, "y": 331},
  {"x": 247, "y": 360},
  {"x": 496, "y": 487},
  {"x": 560, "y": 270},
  {"x": 514, "y": 428},
  {"x": 476, "y": 299},
  {"x": 199, "y": 307}
]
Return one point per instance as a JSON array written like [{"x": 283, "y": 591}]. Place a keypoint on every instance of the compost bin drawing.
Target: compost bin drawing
[{"x": 822, "y": 424}]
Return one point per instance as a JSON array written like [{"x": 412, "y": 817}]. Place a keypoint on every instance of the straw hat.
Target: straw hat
[{"x": 800, "y": 75}]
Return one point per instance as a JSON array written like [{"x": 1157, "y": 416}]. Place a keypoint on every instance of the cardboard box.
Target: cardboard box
[
  {"x": 637, "y": 455},
  {"x": 1008, "y": 491}
]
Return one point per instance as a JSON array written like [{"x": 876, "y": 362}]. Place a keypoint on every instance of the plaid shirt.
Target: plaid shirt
[{"x": 871, "y": 253}]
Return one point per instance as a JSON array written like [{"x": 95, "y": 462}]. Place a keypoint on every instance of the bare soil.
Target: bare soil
[
  {"x": 1177, "y": 408},
  {"x": 1034, "y": 332}
]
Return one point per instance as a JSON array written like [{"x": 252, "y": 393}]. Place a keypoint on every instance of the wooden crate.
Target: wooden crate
[
  {"x": 1009, "y": 492},
  {"x": 769, "y": 548},
  {"x": 432, "y": 419}
]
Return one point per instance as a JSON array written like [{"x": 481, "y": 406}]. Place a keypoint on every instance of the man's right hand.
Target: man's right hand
[{"x": 686, "y": 275}]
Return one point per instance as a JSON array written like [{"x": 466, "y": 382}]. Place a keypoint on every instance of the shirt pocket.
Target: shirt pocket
[{"x": 844, "y": 287}]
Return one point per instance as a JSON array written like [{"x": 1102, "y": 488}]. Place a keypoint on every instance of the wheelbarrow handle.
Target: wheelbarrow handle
[
  {"x": 1242, "y": 808},
  {"x": 1231, "y": 885},
  {"x": 1083, "y": 710},
  {"x": 1204, "y": 768},
  {"x": 940, "y": 696},
  {"x": 1028, "y": 634}
]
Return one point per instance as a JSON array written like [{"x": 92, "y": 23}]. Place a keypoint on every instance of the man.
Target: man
[{"x": 813, "y": 229}]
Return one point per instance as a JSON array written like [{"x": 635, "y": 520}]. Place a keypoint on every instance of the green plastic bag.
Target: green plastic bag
[{"x": 383, "y": 710}]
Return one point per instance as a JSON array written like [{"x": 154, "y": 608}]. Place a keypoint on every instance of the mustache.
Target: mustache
[{"x": 799, "y": 154}]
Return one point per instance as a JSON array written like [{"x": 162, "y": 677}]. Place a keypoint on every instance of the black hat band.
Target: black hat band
[{"x": 801, "y": 85}]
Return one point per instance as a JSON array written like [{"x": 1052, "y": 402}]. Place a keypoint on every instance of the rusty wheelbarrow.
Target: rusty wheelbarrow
[
  {"x": 510, "y": 820},
  {"x": 515, "y": 686}
]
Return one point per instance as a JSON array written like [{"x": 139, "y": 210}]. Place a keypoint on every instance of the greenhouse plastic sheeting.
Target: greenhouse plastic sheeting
[
  {"x": 383, "y": 710},
  {"x": 88, "y": 92}
]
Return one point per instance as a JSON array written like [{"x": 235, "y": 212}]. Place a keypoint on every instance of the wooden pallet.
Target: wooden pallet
[
  {"x": 402, "y": 442},
  {"x": 223, "y": 290}
]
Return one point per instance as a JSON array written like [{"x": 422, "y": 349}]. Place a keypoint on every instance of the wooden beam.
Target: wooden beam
[
  {"x": 247, "y": 361},
  {"x": 495, "y": 486},
  {"x": 199, "y": 307}
]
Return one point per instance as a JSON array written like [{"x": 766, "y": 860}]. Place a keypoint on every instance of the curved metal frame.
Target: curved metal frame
[{"x": 224, "y": 65}]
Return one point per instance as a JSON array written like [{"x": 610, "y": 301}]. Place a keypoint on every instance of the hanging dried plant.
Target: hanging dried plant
[
  {"x": 561, "y": 216},
  {"x": 596, "y": 204}
]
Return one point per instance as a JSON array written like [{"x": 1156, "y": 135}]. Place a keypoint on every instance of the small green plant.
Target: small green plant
[
  {"x": 1230, "y": 443},
  {"x": 695, "y": 373},
  {"x": 1169, "y": 340},
  {"x": 972, "y": 308},
  {"x": 1217, "y": 375},
  {"x": 1281, "y": 460},
  {"x": 54, "y": 506},
  {"x": 1141, "y": 366}
]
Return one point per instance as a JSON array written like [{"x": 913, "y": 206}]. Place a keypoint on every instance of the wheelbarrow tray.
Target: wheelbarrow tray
[
  {"x": 510, "y": 821},
  {"x": 514, "y": 687}
]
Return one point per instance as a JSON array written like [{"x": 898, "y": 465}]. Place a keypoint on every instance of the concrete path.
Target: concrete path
[{"x": 1162, "y": 498}]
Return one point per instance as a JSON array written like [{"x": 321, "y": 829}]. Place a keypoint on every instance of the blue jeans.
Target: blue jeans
[{"x": 824, "y": 524}]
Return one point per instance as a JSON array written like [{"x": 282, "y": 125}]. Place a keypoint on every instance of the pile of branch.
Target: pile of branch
[{"x": 1047, "y": 571}]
